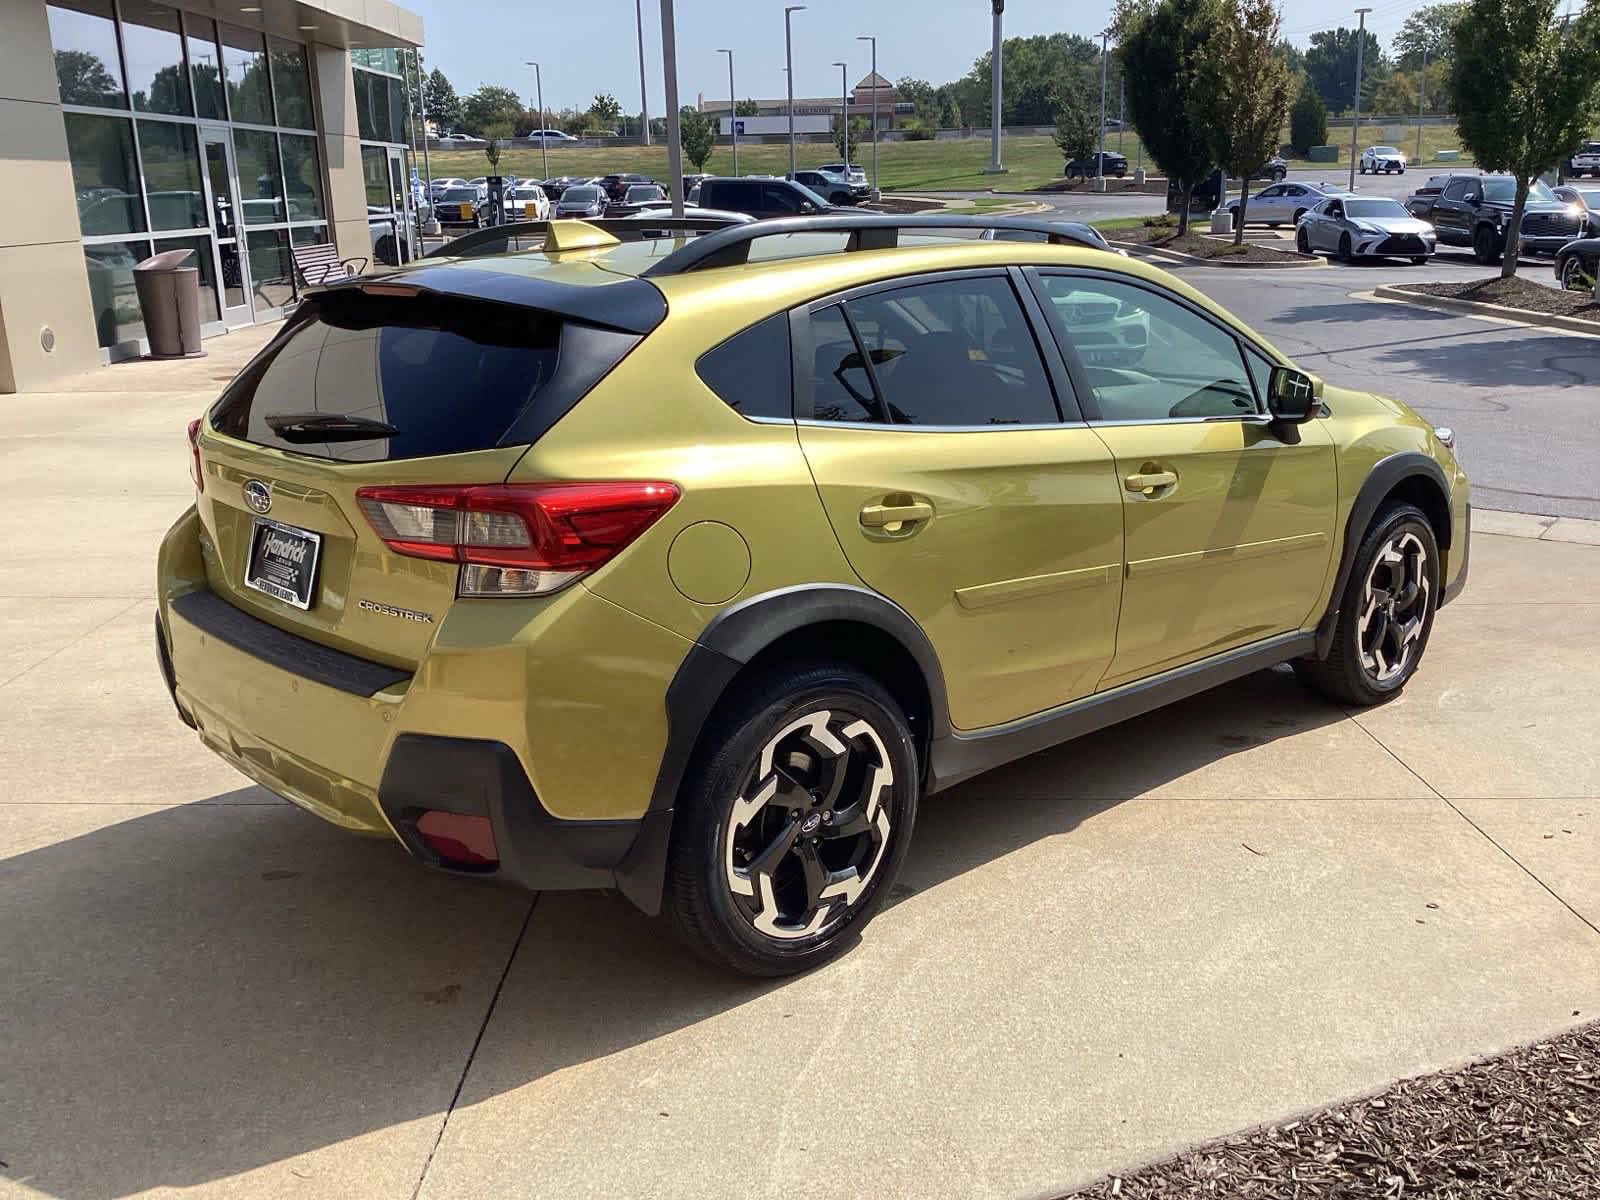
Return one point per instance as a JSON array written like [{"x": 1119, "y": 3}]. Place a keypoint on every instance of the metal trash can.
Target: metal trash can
[{"x": 169, "y": 301}]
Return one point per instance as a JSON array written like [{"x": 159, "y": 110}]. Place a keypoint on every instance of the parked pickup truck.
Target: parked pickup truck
[
  {"x": 1585, "y": 161},
  {"x": 1474, "y": 210}
]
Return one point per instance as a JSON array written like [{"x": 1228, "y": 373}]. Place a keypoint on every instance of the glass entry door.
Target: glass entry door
[{"x": 233, "y": 264}]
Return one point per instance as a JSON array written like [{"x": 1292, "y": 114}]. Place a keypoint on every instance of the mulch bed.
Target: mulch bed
[
  {"x": 1523, "y": 1125},
  {"x": 1162, "y": 237},
  {"x": 1515, "y": 293}
]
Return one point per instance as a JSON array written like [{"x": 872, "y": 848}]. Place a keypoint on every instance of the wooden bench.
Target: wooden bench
[{"x": 321, "y": 264}]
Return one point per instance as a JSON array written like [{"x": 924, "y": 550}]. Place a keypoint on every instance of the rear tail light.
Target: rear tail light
[
  {"x": 196, "y": 472},
  {"x": 516, "y": 539}
]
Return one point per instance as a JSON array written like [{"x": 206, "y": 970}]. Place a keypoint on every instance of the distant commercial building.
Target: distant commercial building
[
  {"x": 129, "y": 127},
  {"x": 826, "y": 107}
]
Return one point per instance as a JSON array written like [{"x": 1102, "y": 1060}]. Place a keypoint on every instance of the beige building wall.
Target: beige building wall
[
  {"x": 44, "y": 288},
  {"x": 341, "y": 151}
]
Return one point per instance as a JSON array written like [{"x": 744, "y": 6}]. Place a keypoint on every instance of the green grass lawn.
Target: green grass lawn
[
  {"x": 1402, "y": 137},
  {"x": 935, "y": 166}
]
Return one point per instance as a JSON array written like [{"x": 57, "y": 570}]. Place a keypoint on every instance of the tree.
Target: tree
[
  {"x": 1161, "y": 42},
  {"x": 606, "y": 111},
  {"x": 747, "y": 108},
  {"x": 492, "y": 134},
  {"x": 1242, "y": 93},
  {"x": 1331, "y": 64},
  {"x": 1429, "y": 30},
  {"x": 1077, "y": 120},
  {"x": 921, "y": 95},
  {"x": 1290, "y": 56},
  {"x": 83, "y": 79},
  {"x": 1036, "y": 69},
  {"x": 697, "y": 135},
  {"x": 949, "y": 113},
  {"x": 1398, "y": 94},
  {"x": 1524, "y": 91},
  {"x": 858, "y": 133},
  {"x": 489, "y": 105},
  {"x": 1308, "y": 119},
  {"x": 444, "y": 106}
]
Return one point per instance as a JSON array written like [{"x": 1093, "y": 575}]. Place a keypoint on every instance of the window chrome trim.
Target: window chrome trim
[{"x": 890, "y": 427}]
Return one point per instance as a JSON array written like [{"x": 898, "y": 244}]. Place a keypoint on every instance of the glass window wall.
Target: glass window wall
[
  {"x": 205, "y": 72},
  {"x": 260, "y": 177},
  {"x": 244, "y": 67},
  {"x": 291, "y": 85},
  {"x": 105, "y": 174},
  {"x": 88, "y": 67},
  {"x": 171, "y": 156},
  {"x": 116, "y": 307},
  {"x": 303, "y": 176},
  {"x": 153, "y": 46}
]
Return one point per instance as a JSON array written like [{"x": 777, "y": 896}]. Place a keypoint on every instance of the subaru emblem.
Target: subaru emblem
[{"x": 258, "y": 496}]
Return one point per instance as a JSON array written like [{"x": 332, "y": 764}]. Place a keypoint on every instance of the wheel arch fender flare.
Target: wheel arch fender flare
[
  {"x": 1386, "y": 475},
  {"x": 733, "y": 639}
]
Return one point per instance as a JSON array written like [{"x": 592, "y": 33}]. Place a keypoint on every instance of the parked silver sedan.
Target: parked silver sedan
[
  {"x": 1281, "y": 203},
  {"x": 1361, "y": 227}
]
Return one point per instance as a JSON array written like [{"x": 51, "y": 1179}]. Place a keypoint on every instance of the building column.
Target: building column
[
  {"x": 46, "y": 319},
  {"x": 340, "y": 139}
]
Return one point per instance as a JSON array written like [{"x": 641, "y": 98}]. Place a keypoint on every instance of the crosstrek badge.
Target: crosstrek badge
[{"x": 389, "y": 610}]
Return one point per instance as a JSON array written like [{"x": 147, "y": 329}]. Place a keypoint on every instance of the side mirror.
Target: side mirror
[{"x": 1293, "y": 396}]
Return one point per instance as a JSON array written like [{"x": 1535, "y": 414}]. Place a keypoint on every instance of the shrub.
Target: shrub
[{"x": 1308, "y": 120}]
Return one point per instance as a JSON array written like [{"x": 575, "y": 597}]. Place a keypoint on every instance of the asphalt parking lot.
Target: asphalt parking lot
[{"x": 1235, "y": 909}]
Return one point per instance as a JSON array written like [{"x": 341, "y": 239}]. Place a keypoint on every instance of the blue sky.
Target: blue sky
[{"x": 590, "y": 46}]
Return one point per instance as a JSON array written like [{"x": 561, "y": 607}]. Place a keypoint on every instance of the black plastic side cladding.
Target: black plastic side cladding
[{"x": 1384, "y": 477}]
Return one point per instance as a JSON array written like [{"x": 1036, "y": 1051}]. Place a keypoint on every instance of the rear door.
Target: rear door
[
  {"x": 928, "y": 412},
  {"x": 1229, "y": 526},
  {"x": 449, "y": 376}
]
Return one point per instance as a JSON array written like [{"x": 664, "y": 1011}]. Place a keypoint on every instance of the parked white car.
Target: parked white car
[
  {"x": 527, "y": 202},
  {"x": 551, "y": 135},
  {"x": 461, "y": 139},
  {"x": 1382, "y": 159}
]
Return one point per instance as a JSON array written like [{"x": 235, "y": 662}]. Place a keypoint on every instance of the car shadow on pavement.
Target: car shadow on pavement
[
  {"x": 1531, "y": 360},
  {"x": 220, "y": 987}
]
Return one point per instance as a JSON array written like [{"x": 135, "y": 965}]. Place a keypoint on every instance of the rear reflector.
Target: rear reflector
[
  {"x": 516, "y": 539},
  {"x": 196, "y": 471},
  {"x": 460, "y": 840}
]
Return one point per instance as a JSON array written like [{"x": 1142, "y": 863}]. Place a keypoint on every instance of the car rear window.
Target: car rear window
[
  {"x": 584, "y": 192},
  {"x": 450, "y": 375},
  {"x": 752, "y": 370}
]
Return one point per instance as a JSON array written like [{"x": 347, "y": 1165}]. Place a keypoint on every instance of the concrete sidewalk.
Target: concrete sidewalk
[{"x": 1237, "y": 908}]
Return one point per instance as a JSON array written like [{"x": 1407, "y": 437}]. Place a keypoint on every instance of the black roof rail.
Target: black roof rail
[
  {"x": 530, "y": 235},
  {"x": 731, "y": 246}
]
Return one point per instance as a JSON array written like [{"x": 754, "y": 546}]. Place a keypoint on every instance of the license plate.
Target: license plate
[{"x": 283, "y": 562}]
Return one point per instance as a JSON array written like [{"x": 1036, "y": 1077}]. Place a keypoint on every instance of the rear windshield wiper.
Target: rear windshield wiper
[{"x": 327, "y": 427}]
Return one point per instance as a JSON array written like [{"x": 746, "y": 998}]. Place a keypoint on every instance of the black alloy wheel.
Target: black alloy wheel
[
  {"x": 794, "y": 822},
  {"x": 1345, "y": 254},
  {"x": 1302, "y": 241}
]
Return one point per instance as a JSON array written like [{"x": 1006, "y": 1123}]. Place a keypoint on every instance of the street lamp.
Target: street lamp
[
  {"x": 644, "y": 99},
  {"x": 1355, "y": 123},
  {"x": 1100, "y": 159},
  {"x": 867, "y": 37},
  {"x": 544, "y": 142},
  {"x": 844, "y": 113},
  {"x": 669, "y": 69},
  {"x": 733, "y": 112},
  {"x": 788, "y": 58},
  {"x": 994, "y": 167}
]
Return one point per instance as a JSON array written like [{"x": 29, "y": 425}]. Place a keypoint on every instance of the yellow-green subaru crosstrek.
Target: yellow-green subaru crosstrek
[{"x": 687, "y": 565}]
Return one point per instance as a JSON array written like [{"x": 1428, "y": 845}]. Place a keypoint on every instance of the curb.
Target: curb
[
  {"x": 1141, "y": 250},
  {"x": 1576, "y": 531},
  {"x": 1476, "y": 308}
]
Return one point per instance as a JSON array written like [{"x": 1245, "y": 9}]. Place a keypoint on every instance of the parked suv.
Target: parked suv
[
  {"x": 1474, "y": 210},
  {"x": 763, "y": 197},
  {"x": 837, "y": 190},
  {"x": 690, "y": 568},
  {"x": 1585, "y": 160}
]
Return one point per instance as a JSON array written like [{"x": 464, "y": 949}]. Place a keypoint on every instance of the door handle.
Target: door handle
[
  {"x": 1147, "y": 482},
  {"x": 878, "y": 516}
]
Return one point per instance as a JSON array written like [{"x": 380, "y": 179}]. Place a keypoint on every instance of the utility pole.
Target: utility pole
[
  {"x": 874, "y": 41},
  {"x": 1122, "y": 109},
  {"x": 733, "y": 112},
  {"x": 1355, "y": 123},
  {"x": 1422, "y": 100},
  {"x": 669, "y": 68},
  {"x": 644, "y": 99},
  {"x": 788, "y": 58},
  {"x": 431, "y": 225},
  {"x": 994, "y": 167},
  {"x": 844, "y": 114},
  {"x": 1100, "y": 159},
  {"x": 544, "y": 142}
]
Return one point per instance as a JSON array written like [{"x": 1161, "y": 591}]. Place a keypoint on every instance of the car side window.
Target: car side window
[
  {"x": 1456, "y": 189},
  {"x": 1147, "y": 357},
  {"x": 752, "y": 371},
  {"x": 1260, "y": 371},
  {"x": 1293, "y": 191},
  {"x": 779, "y": 199},
  {"x": 1271, "y": 193},
  {"x": 841, "y": 387},
  {"x": 955, "y": 352}
]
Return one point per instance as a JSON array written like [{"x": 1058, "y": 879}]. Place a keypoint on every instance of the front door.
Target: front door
[
  {"x": 232, "y": 263},
  {"x": 1229, "y": 526},
  {"x": 934, "y": 433}
]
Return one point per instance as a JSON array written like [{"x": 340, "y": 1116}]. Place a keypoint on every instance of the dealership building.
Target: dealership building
[{"x": 129, "y": 127}]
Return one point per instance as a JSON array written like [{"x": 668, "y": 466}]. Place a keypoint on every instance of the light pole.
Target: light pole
[
  {"x": 994, "y": 167},
  {"x": 1422, "y": 101},
  {"x": 869, "y": 38},
  {"x": 844, "y": 113},
  {"x": 788, "y": 58},
  {"x": 1355, "y": 123},
  {"x": 1122, "y": 109},
  {"x": 644, "y": 99},
  {"x": 1100, "y": 159},
  {"x": 669, "y": 69},
  {"x": 733, "y": 112},
  {"x": 544, "y": 142}
]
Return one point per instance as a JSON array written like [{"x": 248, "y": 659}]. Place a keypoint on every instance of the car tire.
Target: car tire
[
  {"x": 1362, "y": 169},
  {"x": 1298, "y": 213},
  {"x": 793, "y": 820},
  {"x": 1484, "y": 246},
  {"x": 1385, "y": 613},
  {"x": 1419, "y": 260},
  {"x": 1345, "y": 254},
  {"x": 1277, "y": 176},
  {"x": 1302, "y": 241},
  {"x": 1572, "y": 273}
]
